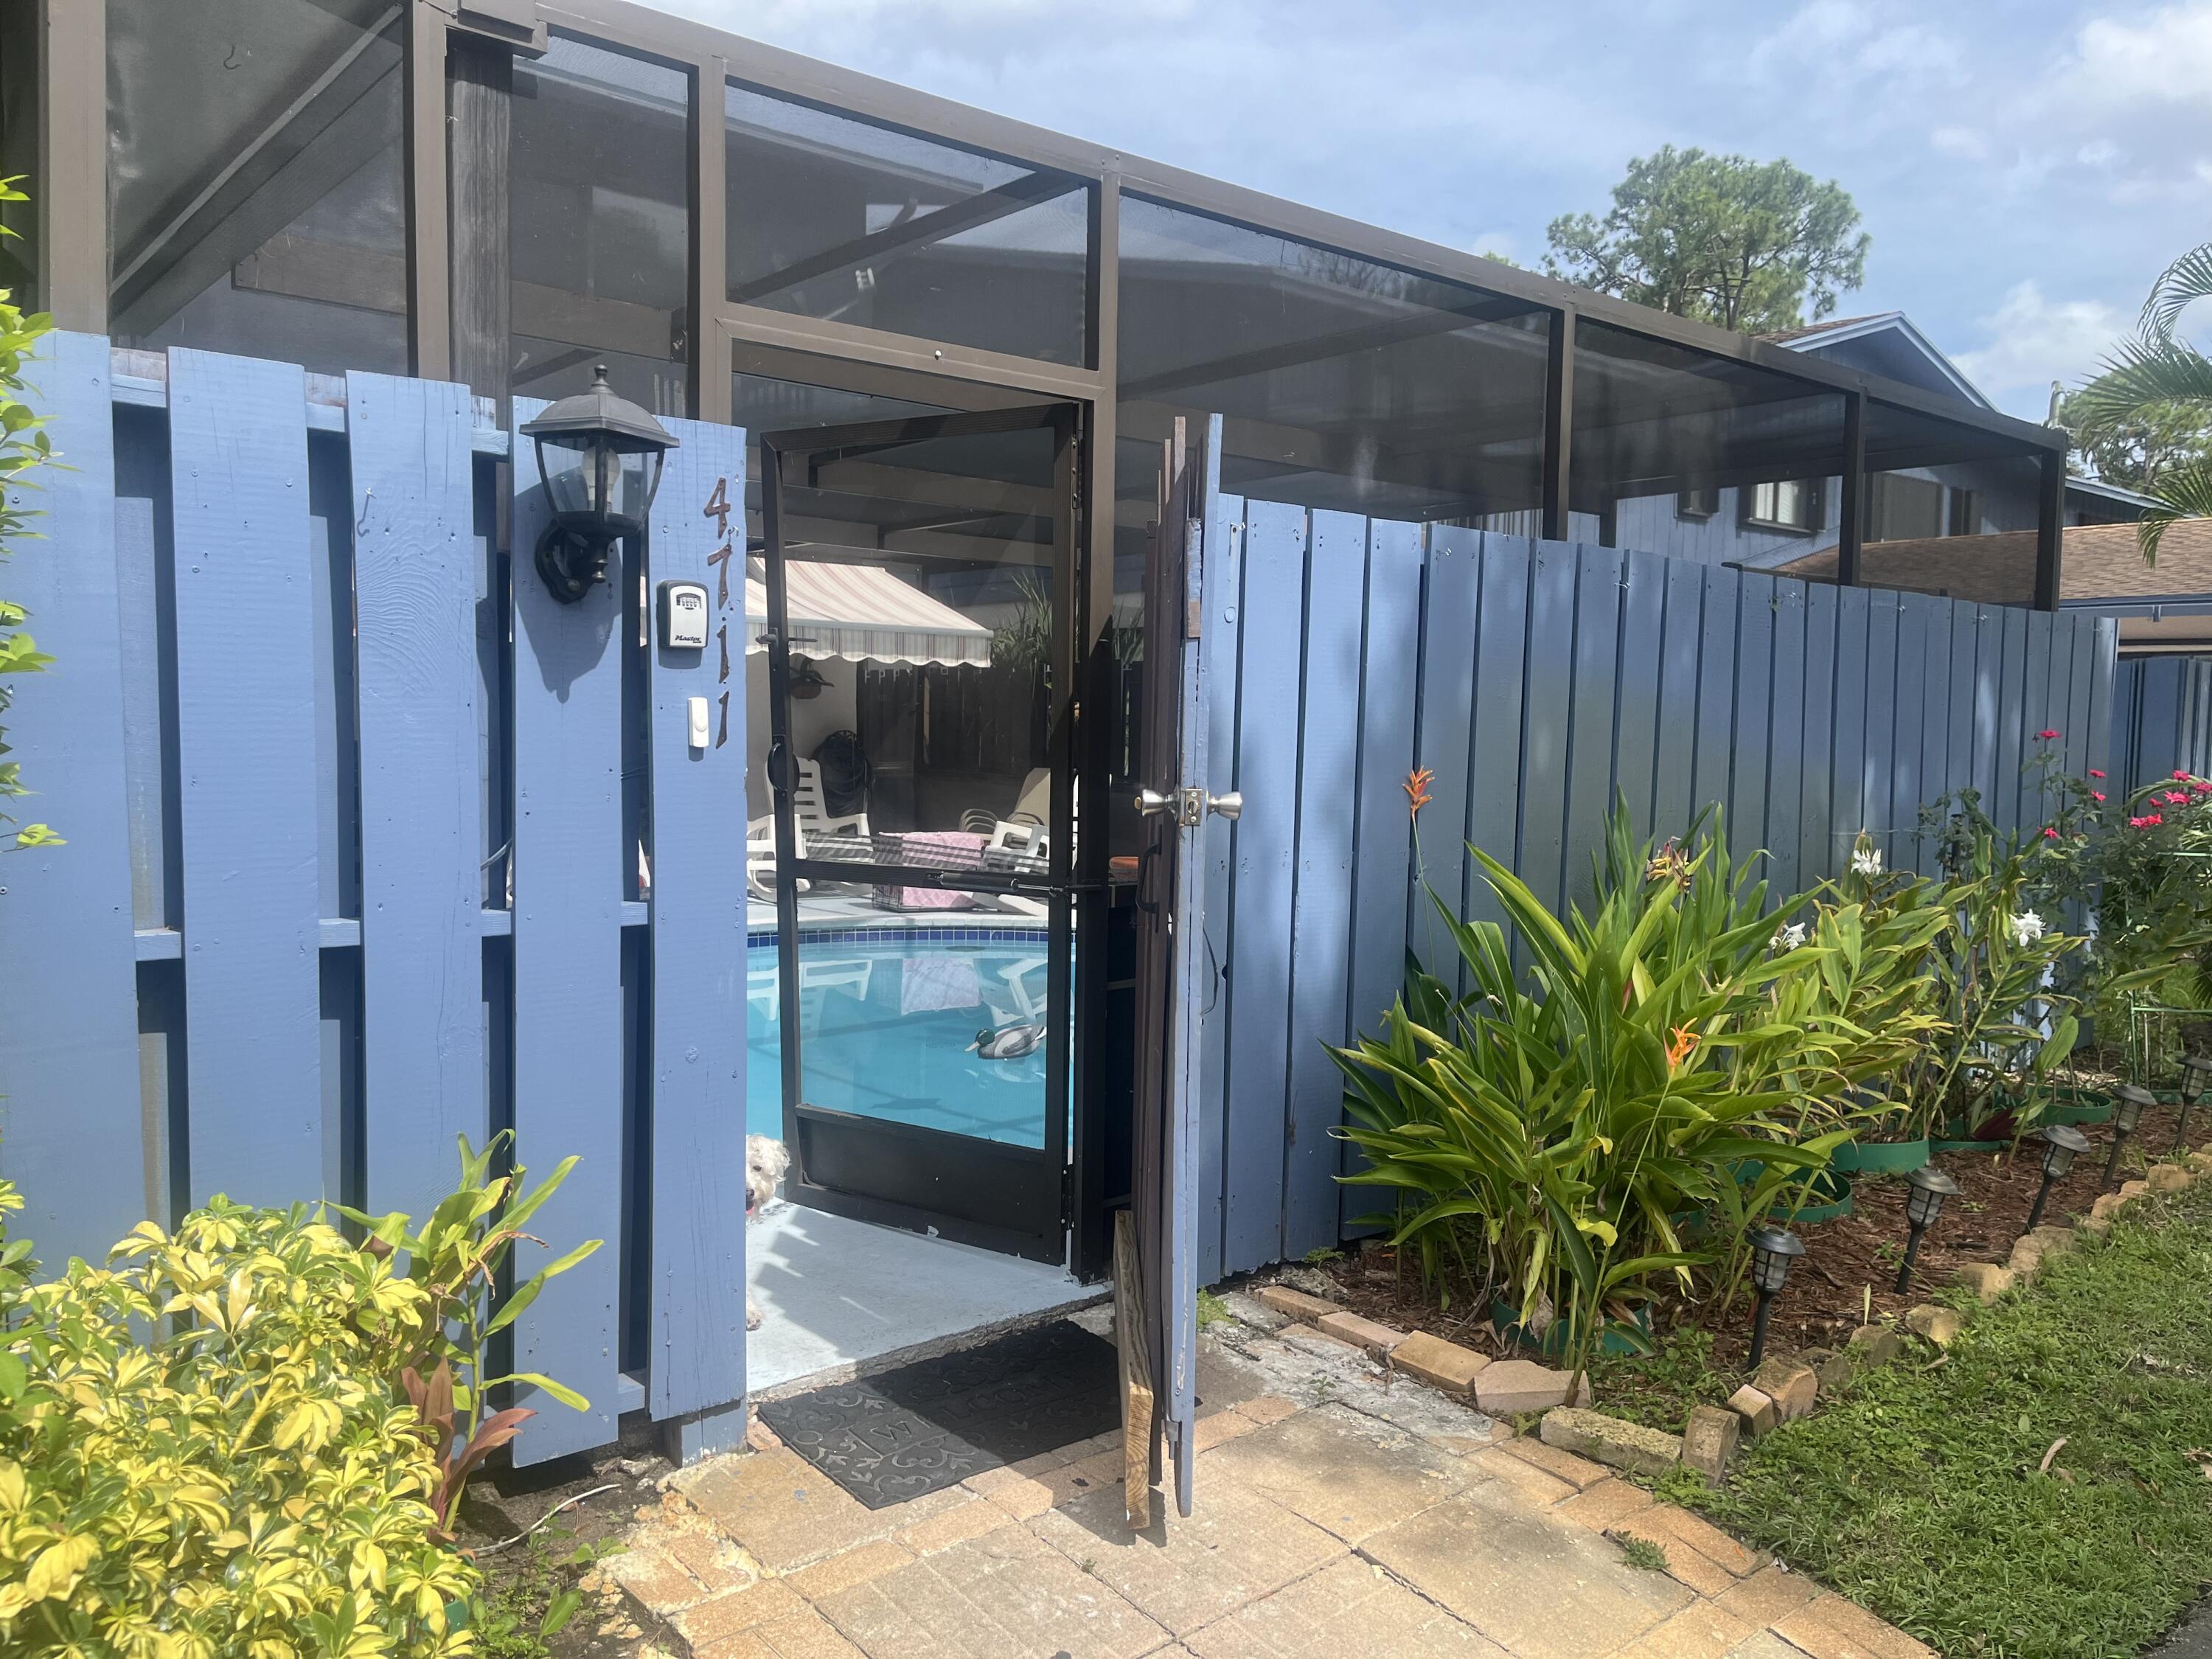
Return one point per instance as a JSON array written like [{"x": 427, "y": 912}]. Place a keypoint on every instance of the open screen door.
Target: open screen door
[{"x": 1173, "y": 977}]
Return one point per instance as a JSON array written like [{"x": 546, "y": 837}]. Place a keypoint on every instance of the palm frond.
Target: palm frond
[
  {"x": 2142, "y": 371},
  {"x": 2184, "y": 491},
  {"x": 2188, "y": 278}
]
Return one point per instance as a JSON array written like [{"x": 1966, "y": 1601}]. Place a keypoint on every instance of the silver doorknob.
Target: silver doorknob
[
  {"x": 1230, "y": 806},
  {"x": 1151, "y": 802}
]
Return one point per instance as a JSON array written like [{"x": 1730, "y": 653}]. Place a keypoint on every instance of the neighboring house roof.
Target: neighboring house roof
[
  {"x": 1819, "y": 336},
  {"x": 2103, "y": 566}
]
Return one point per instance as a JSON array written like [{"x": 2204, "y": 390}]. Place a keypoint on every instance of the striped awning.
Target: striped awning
[{"x": 861, "y": 614}]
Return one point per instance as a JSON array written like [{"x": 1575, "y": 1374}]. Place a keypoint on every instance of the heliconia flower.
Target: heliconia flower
[
  {"x": 2097, "y": 795},
  {"x": 2049, "y": 834},
  {"x": 2048, "y": 737},
  {"x": 2025, "y": 927},
  {"x": 2094, "y": 773},
  {"x": 1684, "y": 1044},
  {"x": 1417, "y": 788}
]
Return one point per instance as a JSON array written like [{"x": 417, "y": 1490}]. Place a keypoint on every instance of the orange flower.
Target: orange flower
[
  {"x": 1684, "y": 1045},
  {"x": 1416, "y": 787}
]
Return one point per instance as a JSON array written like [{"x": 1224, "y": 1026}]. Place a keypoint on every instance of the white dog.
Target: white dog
[{"x": 765, "y": 1162}]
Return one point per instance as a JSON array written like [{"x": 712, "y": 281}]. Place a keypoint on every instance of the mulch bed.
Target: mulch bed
[{"x": 1849, "y": 1264}]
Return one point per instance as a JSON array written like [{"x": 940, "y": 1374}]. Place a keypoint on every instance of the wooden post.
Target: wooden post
[
  {"x": 481, "y": 92},
  {"x": 1137, "y": 1400}
]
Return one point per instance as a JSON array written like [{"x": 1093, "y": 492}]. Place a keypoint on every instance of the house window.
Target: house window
[
  {"x": 1966, "y": 517},
  {"x": 1793, "y": 505},
  {"x": 1700, "y": 503},
  {"x": 1901, "y": 508}
]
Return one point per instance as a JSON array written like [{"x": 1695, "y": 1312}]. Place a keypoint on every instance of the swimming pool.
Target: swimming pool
[{"x": 890, "y": 1023}]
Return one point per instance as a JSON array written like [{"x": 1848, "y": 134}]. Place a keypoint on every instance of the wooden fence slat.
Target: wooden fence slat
[
  {"x": 569, "y": 863},
  {"x": 1448, "y": 677},
  {"x": 1847, "y": 809},
  {"x": 1592, "y": 711},
  {"x": 2012, "y": 718},
  {"x": 696, "y": 1350},
  {"x": 2084, "y": 636},
  {"x": 1493, "y": 796},
  {"x": 2107, "y": 706},
  {"x": 1643, "y": 628},
  {"x": 422, "y": 955},
  {"x": 1549, "y": 682},
  {"x": 70, "y": 1128},
  {"x": 1908, "y": 730},
  {"x": 1321, "y": 931},
  {"x": 1383, "y": 842},
  {"x": 247, "y": 723},
  {"x": 1881, "y": 728},
  {"x": 1716, "y": 706},
  {"x": 1220, "y": 643},
  {"x": 1817, "y": 854},
  {"x": 2035, "y": 716},
  {"x": 1935, "y": 712},
  {"x": 1785, "y": 749},
  {"x": 1266, "y": 843},
  {"x": 1754, "y": 702},
  {"x": 1681, "y": 640},
  {"x": 1965, "y": 697}
]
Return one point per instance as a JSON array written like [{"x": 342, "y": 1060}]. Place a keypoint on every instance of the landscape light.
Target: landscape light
[
  {"x": 2061, "y": 1145},
  {"x": 1929, "y": 1187},
  {"x": 1773, "y": 1250}
]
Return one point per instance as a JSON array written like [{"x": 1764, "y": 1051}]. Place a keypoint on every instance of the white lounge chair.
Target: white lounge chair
[
  {"x": 760, "y": 856},
  {"x": 842, "y": 837}
]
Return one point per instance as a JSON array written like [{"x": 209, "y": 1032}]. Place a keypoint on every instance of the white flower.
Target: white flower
[
  {"x": 2024, "y": 927},
  {"x": 1866, "y": 861},
  {"x": 1788, "y": 937}
]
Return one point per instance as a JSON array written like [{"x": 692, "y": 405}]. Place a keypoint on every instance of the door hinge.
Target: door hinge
[{"x": 1067, "y": 1196}]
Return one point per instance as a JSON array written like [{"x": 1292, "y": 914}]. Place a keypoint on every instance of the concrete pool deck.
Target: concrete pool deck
[{"x": 835, "y": 1293}]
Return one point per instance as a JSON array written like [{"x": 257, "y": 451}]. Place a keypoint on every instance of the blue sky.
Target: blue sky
[{"x": 2025, "y": 168}]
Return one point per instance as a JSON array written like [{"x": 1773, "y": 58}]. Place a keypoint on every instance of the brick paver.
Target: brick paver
[{"x": 1326, "y": 1528}]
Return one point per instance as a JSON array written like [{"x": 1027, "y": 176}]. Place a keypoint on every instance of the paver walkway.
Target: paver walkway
[{"x": 1341, "y": 1513}]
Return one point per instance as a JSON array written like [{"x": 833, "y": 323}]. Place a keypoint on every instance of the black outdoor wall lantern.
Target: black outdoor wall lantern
[
  {"x": 600, "y": 457},
  {"x": 1773, "y": 1250},
  {"x": 1922, "y": 1204},
  {"x": 2196, "y": 1072},
  {"x": 2061, "y": 1145},
  {"x": 2129, "y": 1101}
]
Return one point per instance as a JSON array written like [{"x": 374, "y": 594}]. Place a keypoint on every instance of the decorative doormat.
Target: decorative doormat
[{"x": 934, "y": 1423}]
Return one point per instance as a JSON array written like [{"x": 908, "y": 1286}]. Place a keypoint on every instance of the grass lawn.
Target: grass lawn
[{"x": 1919, "y": 1493}]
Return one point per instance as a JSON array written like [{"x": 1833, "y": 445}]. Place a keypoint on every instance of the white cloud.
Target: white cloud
[
  {"x": 1965, "y": 143},
  {"x": 2032, "y": 341},
  {"x": 2164, "y": 57}
]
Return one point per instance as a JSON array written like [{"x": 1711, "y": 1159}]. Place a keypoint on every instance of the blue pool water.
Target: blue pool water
[{"x": 888, "y": 1021}]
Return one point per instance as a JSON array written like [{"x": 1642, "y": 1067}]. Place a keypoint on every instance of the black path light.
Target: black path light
[
  {"x": 2128, "y": 1103},
  {"x": 1922, "y": 1204},
  {"x": 2061, "y": 1145},
  {"x": 2196, "y": 1073},
  {"x": 600, "y": 455},
  {"x": 1773, "y": 1250}
]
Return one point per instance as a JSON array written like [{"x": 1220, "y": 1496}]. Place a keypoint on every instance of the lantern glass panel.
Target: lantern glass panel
[
  {"x": 2057, "y": 1160},
  {"x": 1923, "y": 1205},
  {"x": 2127, "y": 1112},
  {"x": 570, "y": 471}
]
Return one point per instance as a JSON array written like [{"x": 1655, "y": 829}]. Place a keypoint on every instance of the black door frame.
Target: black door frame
[{"x": 1016, "y": 1199}]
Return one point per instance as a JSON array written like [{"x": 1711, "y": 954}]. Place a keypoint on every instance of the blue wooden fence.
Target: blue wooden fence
[
  {"x": 301, "y": 734},
  {"x": 2162, "y": 720},
  {"x": 1534, "y": 679},
  {"x": 355, "y": 824}
]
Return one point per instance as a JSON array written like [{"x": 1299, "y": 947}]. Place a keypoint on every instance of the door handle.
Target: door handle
[{"x": 1190, "y": 806}]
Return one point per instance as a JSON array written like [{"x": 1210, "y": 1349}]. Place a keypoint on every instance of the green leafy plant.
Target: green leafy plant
[
  {"x": 24, "y": 447},
  {"x": 1575, "y": 1126},
  {"x": 457, "y": 1259},
  {"x": 201, "y": 1452}
]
